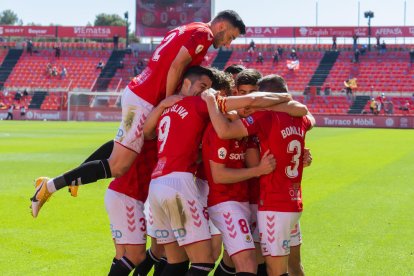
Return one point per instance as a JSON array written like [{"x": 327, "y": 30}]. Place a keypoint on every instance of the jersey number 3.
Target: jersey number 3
[{"x": 292, "y": 171}]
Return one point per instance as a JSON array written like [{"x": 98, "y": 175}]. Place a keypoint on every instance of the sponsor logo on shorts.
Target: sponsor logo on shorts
[
  {"x": 161, "y": 234},
  {"x": 286, "y": 245},
  {"x": 179, "y": 233},
  {"x": 120, "y": 133},
  {"x": 116, "y": 234},
  {"x": 249, "y": 238},
  {"x": 222, "y": 153}
]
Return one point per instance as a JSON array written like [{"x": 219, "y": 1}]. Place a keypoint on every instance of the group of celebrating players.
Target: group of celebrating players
[{"x": 201, "y": 158}]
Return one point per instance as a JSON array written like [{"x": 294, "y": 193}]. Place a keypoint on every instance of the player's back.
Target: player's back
[
  {"x": 151, "y": 83},
  {"x": 180, "y": 130},
  {"x": 285, "y": 138}
]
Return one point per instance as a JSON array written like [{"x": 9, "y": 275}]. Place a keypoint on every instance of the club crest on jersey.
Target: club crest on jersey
[
  {"x": 250, "y": 120},
  {"x": 222, "y": 153},
  {"x": 199, "y": 49}
]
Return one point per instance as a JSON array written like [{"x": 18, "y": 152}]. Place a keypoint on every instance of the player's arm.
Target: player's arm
[
  {"x": 293, "y": 108},
  {"x": 223, "y": 128},
  {"x": 256, "y": 100},
  {"x": 252, "y": 157},
  {"x": 223, "y": 175},
  {"x": 176, "y": 70},
  {"x": 152, "y": 119}
]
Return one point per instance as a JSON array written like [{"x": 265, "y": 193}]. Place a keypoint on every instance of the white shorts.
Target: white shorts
[
  {"x": 253, "y": 222},
  {"x": 275, "y": 228},
  {"x": 134, "y": 112},
  {"x": 177, "y": 209},
  {"x": 149, "y": 219},
  {"x": 296, "y": 235},
  {"x": 232, "y": 219},
  {"x": 204, "y": 189},
  {"x": 126, "y": 217}
]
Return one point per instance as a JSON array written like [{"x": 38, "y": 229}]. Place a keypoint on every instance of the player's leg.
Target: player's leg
[
  {"x": 261, "y": 265},
  {"x": 126, "y": 215},
  {"x": 295, "y": 266},
  {"x": 226, "y": 266},
  {"x": 129, "y": 140},
  {"x": 103, "y": 152},
  {"x": 152, "y": 258},
  {"x": 275, "y": 239},
  {"x": 237, "y": 239}
]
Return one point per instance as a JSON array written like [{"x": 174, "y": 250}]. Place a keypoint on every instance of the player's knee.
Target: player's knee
[
  {"x": 135, "y": 256},
  {"x": 246, "y": 262},
  {"x": 118, "y": 169}
]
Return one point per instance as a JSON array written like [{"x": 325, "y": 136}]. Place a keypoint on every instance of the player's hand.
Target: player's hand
[
  {"x": 307, "y": 157},
  {"x": 171, "y": 100},
  {"x": 209, "y": 94},
  {"x": 267, "y": 163}
]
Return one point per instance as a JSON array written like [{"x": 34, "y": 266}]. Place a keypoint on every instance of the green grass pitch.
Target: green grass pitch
[{"x": 358, "y": 202}]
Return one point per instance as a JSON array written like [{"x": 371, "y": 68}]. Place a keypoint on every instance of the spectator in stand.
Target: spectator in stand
[
  {"x": 54, "y": 71},
  {"x": 29, "y": 47},
  {"x": 25, "y": 94},
  {"x": 380, "y": 102},
  {"x": 405, "y": 107},
  {"x": 137, "y": 70},
  {"x": 100, "y": 65},
  {"x": 349, "y": 85},
  {"x": 373, "y": 106},
  {"x": 280, "y": 51},
  {"x": 383, "y": 47},
  {"x": 328, "y": 90},
  {"x": 293, "y": 55},
  {"x": 355, "y": 42},
  {"x": 334, "y": 43},
  {"x": 252, "y": 46},
  {"x": 260, "y": 58},
  {"x": 63, "y": 73},
  {"x": 10, "y": 113},
  {"x": 356, "y": 55},
  {"x": 364, "y": 49},
  {"x": 250, "y": 53},
  {"x": 17, "y": 96},
  {"x": 57, "y": 51},
  {"x": 49, "y": 69},
  {"x": 412, "y": 56},
  {"x": 389, "y": 107},
  {"x": 276, "y": 57},
  {"x": 121, "y": 64},
  {"x": 22, "y": 111}
]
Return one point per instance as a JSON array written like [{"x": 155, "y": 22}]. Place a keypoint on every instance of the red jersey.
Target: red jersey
[
  {"x": 151, "y": 84},
  {"x": 284, "y": 135},
  {"x": 254, "y": 186},
  {"x": 136, "y": 181},
  {"x": 180, "y": 130},
  {"x": 230, "y": 153}
]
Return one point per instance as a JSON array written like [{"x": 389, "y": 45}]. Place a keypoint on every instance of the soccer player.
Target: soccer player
[
  {"x": 280, "y": 204},
  {"x": 181, "y": 48},
  {"x": 175, "y": 201}
]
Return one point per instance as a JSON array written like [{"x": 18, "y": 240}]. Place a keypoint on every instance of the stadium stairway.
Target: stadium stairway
[
  {"x": 8, "y": 64},
  {"x": 108, "y": 72},
  {"x": 37, "y": 99},
  {"x": 325, "y": 65},
  {"x": 221, "y": 59},
  {"x": 358, "y": 105}
]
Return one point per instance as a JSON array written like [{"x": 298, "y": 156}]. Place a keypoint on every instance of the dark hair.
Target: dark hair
[
  {"x": 222, "y": 81},
  {"x": 195, "y": 72},
  {"x": 234, "y": 69},
  {"x": 234, "y": 19},
  {"x": 273, "y": 83},
  {"x": 248, "y": 76}
]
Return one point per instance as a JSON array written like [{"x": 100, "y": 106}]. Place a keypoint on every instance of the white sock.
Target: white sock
[{"x": 51, "y": 186}]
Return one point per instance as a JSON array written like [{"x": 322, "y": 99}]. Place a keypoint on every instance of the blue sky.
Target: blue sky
[{"x": 254, "y": 13}]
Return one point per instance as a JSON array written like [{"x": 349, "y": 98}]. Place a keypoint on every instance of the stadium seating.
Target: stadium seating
[
  {"x": 3, "y": 53},
  {"x": 31, "y": 71}
]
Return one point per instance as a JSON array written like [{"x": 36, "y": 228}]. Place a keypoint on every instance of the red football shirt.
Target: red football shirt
[
  {"x": 284, "y": 135},
  {"x": 180, "y": 130},
  {"x": 151, "y": 84},
  {"x": 254, "y": 186},
  {"x": 135, "y": 182},
  {"x": 230, "y": 153}
]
